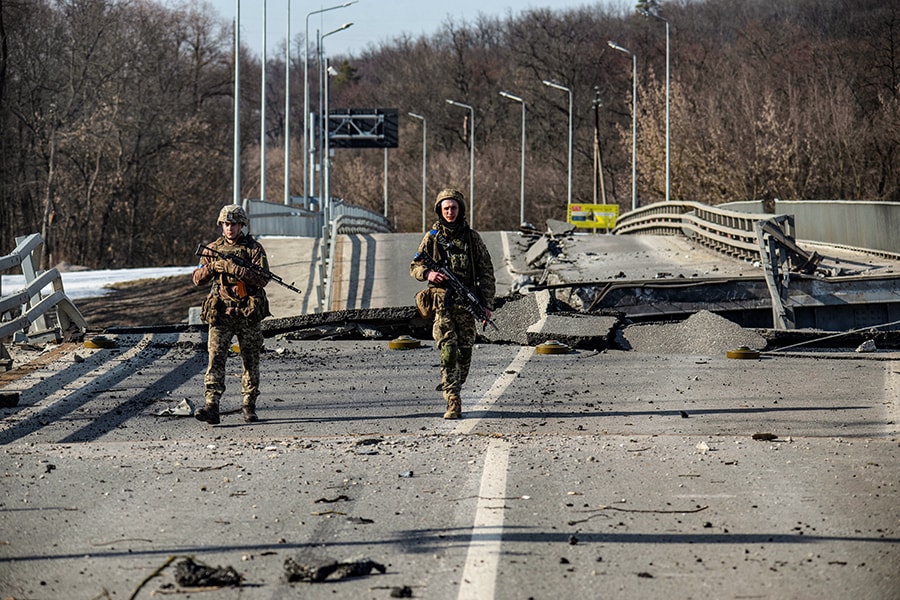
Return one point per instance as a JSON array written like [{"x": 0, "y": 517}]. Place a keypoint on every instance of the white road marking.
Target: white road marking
[
  {"x": 509, "y": 375},
  {"x": 482, "y": 560},
  {"x": 892, "y": 389},
  {"x": 483, "y": 557}
]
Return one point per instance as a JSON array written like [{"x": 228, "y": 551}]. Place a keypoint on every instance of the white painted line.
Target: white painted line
[
  {"x": 483, "y": 558},
  {"x": 509, "y": 375},
  {"x": 892, "y": 389}
]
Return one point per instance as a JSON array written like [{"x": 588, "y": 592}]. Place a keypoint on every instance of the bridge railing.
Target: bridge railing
[
  {"x": 730, "y": 232},
  {"x": 269, "y": 218},
  {"x": 349, "y": 222},
  {"x": 28, "y": 310}
]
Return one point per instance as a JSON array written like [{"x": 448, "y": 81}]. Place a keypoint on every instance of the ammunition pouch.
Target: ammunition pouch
[
  {"x": 253, "y": 308},
  {"x": 211, "y": 309},
  {"x": 429, "y": 301},
  {"x": 424, "y": 303}
]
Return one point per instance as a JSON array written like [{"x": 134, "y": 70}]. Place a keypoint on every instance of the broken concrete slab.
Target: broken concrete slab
[
  {"x": 575, "y": 330},
  {"x": 559, "y": 228},
  {"x": 536, "y": 254},
  {"x": 536, "y": 318},
  {"x": 513, "y": 317}
]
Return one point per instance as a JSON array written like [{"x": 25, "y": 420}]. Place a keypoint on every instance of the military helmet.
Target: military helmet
[
  {"x": 450, "y": 194},
  {"x": 232, "y": 213}
]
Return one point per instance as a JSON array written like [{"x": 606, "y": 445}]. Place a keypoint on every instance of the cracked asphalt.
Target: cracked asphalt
[{"x": 615, "y": 474}]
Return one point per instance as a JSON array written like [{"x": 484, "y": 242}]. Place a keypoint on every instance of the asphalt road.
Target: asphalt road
[{"x": 583, "y": 475}]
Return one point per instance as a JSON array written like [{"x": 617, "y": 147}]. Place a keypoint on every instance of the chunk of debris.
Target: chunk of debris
[
  {"x": 182, "y": 409},
  {"x": 189, "y": 573},
  {"x": 866, "y": 346},
  {"x": 316, "y": 569},
  {"x": 765, "y": 437}
]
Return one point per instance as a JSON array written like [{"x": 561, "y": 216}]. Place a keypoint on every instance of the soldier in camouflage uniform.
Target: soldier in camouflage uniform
[
  {"x": 452, "y": 242},
  {"x": 235, "y": 306}
]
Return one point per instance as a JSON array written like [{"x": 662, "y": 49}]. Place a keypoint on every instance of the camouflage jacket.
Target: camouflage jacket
[
  {"x": 227, "y": 286},
  {"x": 465, "y": 253}
]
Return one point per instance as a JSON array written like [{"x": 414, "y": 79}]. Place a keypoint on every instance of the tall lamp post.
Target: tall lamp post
[
  {"x": 306, "y": 141},
  {"x": 237, "y": 103},
  {"x": 615, "y": 46},
  {"x": 656, "y": 16},
  {"x": 522, "y": 170},
  {"x": 262, "y": 116},
  {"x": 424, "y": 165},
  {"x": 324, "y": 160},
  {"x": 568, "y": 91},
  {"x": 471, "y": 160}
]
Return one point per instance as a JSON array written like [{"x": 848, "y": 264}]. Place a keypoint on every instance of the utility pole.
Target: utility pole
[{"x": 598, "y": 159}]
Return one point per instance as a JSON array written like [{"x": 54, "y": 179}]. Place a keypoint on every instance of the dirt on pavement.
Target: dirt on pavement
[{"x": 144, "y": 302}]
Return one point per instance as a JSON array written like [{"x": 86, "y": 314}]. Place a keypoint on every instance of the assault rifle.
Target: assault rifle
[
  {"x": 466, "y": 297},
  {"x": 203, "y": 250}
]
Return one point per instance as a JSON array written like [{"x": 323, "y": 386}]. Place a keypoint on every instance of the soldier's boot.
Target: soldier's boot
[
  {"x": 454, "y": 407},
  {"x": 209, "y": 413},
  {"x": 249, "y": 411}
]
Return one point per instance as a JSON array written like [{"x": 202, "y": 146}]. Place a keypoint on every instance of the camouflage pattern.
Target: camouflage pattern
[
  {"x": 454, "y": 329},
  {"x": 250, "y": 340},
  {"x": 232, "y": 213},
  {"x": 238, "y": 305}
]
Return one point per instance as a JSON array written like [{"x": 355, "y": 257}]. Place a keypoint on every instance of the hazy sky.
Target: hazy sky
[{"x": 374, "y": 21}]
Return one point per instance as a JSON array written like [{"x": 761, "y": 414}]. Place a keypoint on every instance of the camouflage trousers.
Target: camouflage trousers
[
  {"x": 454, "y": 331},
  {"x": 250, "y": 339}
]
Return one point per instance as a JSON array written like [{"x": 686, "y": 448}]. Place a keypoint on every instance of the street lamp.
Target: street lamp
[
  {"x": 424, "y": 163},
  {"x": 237, "y": 103},
  {"x": 615, "y": 46},
  {"x": 324, "y": 161},
  {"x": 471, "y": 160},
  {"x": 655, "y": 15},
  {"x": 306, "y": 141},
  {"x": 567, "y": 90},
  {"x": 522, "y": 184},
  {"x": 262, "y": 116}
]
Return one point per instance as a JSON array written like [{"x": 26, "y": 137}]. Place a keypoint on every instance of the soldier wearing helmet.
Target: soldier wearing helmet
[
  {"x": 452, "y": 242},
  {"x": 235, "y": 306},
  {"x": 233, "y": 213}
]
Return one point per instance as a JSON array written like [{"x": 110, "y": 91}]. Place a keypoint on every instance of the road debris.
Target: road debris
[
  {"x": 314, "y": 569},
  {"x": 182, "y": 409},
  {"x": 604, "y": 507},
  {"x": 190, "y": 573},
  {"x": 866, "y": 346}
]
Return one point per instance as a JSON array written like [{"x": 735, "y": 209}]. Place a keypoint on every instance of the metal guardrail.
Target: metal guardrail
[
  {"x": 868, "y": 224},
  {"x": 730, "y": 232},
  {"x": 343, "y": 224},
  {"x": 34, "y": 308},
  {"x": 768, "y": 239},
  {"x": 268, "y": 218}
]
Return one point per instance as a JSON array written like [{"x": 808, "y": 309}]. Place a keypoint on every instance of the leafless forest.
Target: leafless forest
[{"x": 117, "y": 115}]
